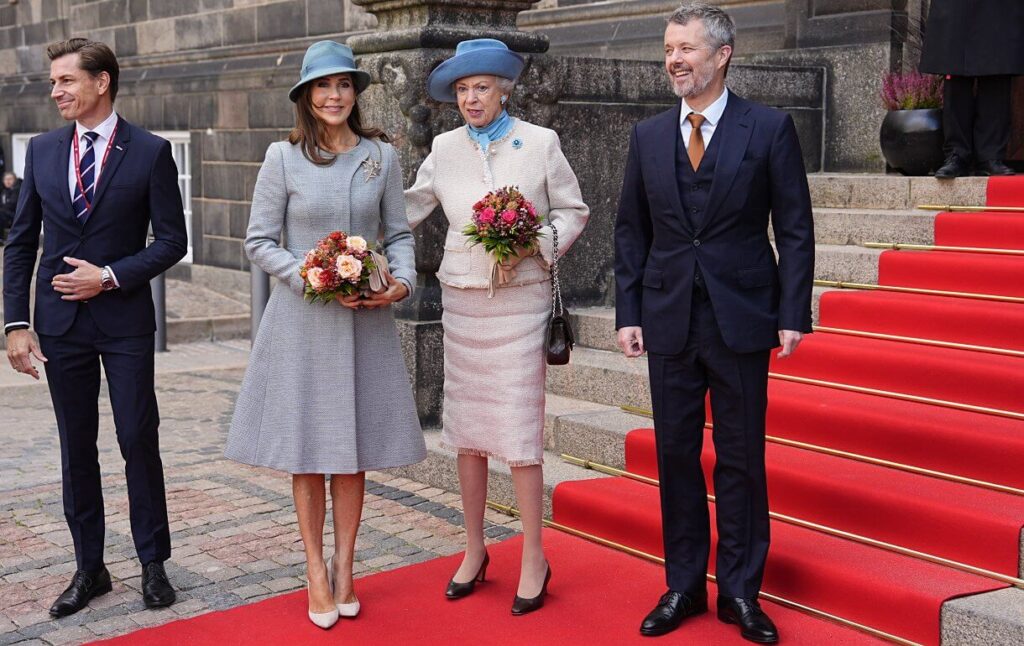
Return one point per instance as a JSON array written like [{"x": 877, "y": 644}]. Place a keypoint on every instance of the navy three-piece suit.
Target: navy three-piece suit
[
  {"x": 695, "y": 269},
  {"x": 137, "y": 188}
]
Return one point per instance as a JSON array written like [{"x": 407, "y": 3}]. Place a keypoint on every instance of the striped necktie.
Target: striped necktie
[{"x": 88, "y": 173}]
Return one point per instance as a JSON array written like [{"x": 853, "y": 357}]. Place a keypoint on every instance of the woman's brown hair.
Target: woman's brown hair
[{"x": 310, "y": 132}]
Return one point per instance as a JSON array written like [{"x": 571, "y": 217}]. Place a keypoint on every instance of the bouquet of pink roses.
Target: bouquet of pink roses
[
  {"x": 503, "y": 221},
  {"x": 342, "y": 264}
]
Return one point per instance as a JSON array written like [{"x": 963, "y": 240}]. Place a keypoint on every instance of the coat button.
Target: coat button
[{"x": 696, "y": 243}]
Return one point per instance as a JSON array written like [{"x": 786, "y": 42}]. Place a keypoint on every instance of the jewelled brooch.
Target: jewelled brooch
[
  {"x": 517, "y": 143},
  {"x": 371, "y": 168}
]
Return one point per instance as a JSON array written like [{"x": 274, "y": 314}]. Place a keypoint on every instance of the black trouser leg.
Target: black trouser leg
[
  {"x": 992, "y": 118},
  {"x": 738, "y": 385},
  {"x": 739, "y": 401},
  {"x": 678, "y": 389},
  {"x": 128, "y": 363},
  {"x": 73, "y": 375},
  {"x": 958, "y": 116}
]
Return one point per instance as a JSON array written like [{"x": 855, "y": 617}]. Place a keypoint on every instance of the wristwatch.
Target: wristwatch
[{"x": 107, "y": 279}]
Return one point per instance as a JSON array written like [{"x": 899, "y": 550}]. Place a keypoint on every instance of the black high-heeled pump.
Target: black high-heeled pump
[
  {"x": 521, "y": 606},
  {"x": 459, "y": 590}
]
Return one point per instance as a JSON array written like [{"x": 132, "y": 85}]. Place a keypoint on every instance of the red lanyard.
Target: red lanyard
[{"x": 103, "y": 164}]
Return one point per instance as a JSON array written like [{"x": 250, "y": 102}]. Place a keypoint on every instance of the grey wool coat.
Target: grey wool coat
[{"x": 326, "y": 390}]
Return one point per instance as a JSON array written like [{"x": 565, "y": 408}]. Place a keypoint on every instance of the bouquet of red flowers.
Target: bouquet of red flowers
[
  {"x": 503, "y": 221},
  {"x": 342, "y": 264}
]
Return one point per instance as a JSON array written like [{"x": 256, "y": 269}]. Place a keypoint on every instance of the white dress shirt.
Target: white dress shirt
[
  {"x": 104, "y": 130},
  {"x": 712, "y": 115}
]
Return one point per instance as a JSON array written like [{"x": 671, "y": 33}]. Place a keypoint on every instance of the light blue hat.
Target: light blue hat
[
  {"x": 327, "y": 57},
  {"x": 472, "y": 57}
]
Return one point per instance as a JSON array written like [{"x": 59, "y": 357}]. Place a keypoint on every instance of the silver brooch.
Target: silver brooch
[
  {"x": 517, "y": 143},
  {"x": 371, "y": 168}
]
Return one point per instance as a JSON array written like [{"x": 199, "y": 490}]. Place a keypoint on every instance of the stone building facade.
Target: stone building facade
[{"x": 212, "y": 77}]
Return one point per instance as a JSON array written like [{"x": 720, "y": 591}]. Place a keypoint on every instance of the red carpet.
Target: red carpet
[
  {"x": 598, "y": 597},
  {"x": 898, "y": 594},
  {"x": 984, "y": 230},
  {"x": 922, "y": 513},
  {"x": 972, "y": 445},
  {"x": 963, "y": 376},
  {"x": 1005, "y": 191},
  {"x": 959, "y": 320},
  {"x": 953, "y": 271}
]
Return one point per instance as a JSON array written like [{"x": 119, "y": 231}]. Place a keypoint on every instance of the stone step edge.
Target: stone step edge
[
  {"x": 987, "y": 619},
  {"x": 439, "y": 470},
  {"x": 208, "y": 328}
]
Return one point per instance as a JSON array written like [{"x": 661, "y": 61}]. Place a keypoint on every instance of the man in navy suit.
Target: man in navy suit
[
  {"x": 95, "y": 187},
  {"x": 699, "y": 289}
]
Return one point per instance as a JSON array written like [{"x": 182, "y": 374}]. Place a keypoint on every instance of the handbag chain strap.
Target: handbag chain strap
[{"x": 556, "y": 288}]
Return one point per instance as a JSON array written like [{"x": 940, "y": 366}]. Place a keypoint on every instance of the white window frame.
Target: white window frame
[
  {"x": 19, "y": 147},
  {"x": 181, "y": 150}
]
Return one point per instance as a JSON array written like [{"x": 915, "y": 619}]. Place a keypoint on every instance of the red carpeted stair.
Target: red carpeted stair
[
  {"x": 1005, "y": 191},
  {"x": 953, "y": 271},
  {"x": 896, "y": 594},
  {"x": 942, "y": 318},
  {"x": 965, "y": 376},
  {"x": 971, "y": 445},
  {"x": 914, "y": 511},
  {"x": 967, "y": 522},
  {"x": 984, "y": 230}
]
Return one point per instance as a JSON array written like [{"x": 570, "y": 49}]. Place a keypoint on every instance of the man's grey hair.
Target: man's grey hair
[{"x": 718, "y": 25}]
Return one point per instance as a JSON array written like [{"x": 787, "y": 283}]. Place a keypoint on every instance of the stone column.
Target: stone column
[
  {"x": 412, "y": 37},
  {"x": 591, "y": 103}
]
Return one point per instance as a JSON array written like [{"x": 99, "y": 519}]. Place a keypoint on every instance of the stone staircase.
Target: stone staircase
[{"x": 584, "y": 418}]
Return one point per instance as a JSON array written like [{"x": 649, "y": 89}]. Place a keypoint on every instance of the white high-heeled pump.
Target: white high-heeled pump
[
  {"x": 324, "y": 619},
  {"x": 349, "y": 610}
]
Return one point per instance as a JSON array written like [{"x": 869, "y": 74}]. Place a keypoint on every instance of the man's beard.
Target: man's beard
[{"x": 700, "y": 79}]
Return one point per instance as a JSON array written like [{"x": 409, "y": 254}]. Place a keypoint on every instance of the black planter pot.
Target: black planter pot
[{"x": 912, "y": 140}]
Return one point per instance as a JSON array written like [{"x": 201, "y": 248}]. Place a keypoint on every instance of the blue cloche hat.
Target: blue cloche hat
[
  {"x": 326, "y": 57},
  {"x": 472, "y": 57}
]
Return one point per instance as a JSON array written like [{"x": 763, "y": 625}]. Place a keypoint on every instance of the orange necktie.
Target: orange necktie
[{"x": 696, "y": 149}]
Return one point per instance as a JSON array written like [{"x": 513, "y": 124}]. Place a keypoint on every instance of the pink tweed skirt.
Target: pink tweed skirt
[{"x": 494, "y": 370}]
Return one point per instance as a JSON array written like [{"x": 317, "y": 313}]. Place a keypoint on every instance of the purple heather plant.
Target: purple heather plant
[{"x": 911, "y": 91}]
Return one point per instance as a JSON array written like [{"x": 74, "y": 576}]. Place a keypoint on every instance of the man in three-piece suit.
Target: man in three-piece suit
[
  {"x": 95, "y": 187},
  {"x": 699, "y": 289}
]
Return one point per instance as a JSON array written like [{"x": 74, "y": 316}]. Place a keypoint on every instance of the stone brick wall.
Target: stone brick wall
[
  {"x": 149, "y": 27},
  {"x": 217, "y": 69}
]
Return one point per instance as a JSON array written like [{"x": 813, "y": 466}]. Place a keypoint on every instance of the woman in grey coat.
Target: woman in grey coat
[{"x": 327, "y": 391}]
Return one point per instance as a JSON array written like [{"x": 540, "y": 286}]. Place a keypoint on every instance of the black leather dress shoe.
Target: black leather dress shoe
[
  {"x": 993, "y": 167},
  {"x": 460, "y": 590},
  {"x": 754, "y": 625},
  {"x": 955, "y": 166},
  {"x": 84, "y": 586},
  {"x": 672, "y": 608},
  {"x": 156, "y": 588}
]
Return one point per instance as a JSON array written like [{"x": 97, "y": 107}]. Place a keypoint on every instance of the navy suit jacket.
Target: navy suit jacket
[
  {"x": 759, "y": 175},
  {"x": 137, "y": 187}
]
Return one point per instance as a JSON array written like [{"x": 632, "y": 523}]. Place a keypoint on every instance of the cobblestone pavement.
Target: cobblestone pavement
[{"x": 234, "y": 535}]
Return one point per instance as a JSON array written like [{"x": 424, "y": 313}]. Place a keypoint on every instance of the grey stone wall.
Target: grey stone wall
[
  {"x": 218, "y": 69},
  {"x": 141, "y": 28}
]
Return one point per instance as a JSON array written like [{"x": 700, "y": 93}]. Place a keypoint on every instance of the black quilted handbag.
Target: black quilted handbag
[{"x": 560, "y": 338}]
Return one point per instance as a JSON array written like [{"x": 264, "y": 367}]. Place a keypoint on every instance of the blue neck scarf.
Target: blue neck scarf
[{"x": 493, "y": 131}]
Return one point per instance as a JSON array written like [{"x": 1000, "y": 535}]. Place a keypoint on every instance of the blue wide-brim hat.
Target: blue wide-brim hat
[
  {"x": 472, "y": 57},
  {"x": 326, "y": 57}
]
